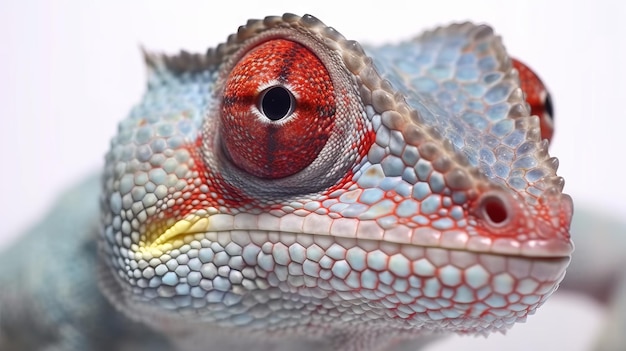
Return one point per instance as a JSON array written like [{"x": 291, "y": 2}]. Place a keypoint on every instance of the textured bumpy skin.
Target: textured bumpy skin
[
  {"x": 423, "y": 201},
  {"x": 292, "y": 188},
  {"x": 49, "y": 297}
]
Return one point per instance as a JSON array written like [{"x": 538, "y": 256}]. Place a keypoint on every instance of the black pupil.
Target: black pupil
[
  {"x": 276, "y": 103},
  {"x": 548, "y": 106}
]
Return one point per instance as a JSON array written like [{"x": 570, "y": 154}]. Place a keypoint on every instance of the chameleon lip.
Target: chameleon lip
[
  {"x": 189, "y": 225},
  {"x": 175, "y": 235},
  {"x": 195, "y": 226}
]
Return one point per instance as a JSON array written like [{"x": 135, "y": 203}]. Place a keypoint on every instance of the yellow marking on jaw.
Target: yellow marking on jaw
[{"x": 156, "y": 241}]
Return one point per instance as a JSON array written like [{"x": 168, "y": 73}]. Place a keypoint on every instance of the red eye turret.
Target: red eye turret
[
  {"x": 278, "y": 109},
  {"x": 538, "y": 98}
]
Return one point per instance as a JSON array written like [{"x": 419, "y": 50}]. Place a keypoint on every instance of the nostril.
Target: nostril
[{"x": 494, "y": 209}]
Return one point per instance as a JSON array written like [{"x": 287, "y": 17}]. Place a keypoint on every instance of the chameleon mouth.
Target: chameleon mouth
[{"x": 160, "y": 237}]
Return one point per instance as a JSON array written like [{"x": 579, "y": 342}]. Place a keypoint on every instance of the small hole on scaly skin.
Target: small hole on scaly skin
[{"x": 493, "y": 209}]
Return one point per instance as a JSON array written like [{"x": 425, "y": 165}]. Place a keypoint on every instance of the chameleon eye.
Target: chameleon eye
[
  {"x": 278, "y": 109},
  {"x": 538, "y": 98}
]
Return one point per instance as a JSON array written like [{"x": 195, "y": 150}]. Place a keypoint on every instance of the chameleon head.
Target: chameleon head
[{"x": 283, "y": 183}]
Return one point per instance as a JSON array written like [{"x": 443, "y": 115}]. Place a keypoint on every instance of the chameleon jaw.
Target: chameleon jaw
[{"x": 239, "y": 260}]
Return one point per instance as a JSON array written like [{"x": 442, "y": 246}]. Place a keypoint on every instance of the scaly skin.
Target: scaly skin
[{"x": 284, "y": 190}]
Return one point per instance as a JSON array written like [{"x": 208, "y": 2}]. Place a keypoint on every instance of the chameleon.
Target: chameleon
[{"x": 293, "y": 189}]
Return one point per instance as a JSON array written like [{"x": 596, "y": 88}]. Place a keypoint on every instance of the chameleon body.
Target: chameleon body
[{"x": 292, "y": 188}]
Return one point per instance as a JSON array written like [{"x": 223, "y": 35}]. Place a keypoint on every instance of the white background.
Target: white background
[{"x": 70, "y": 70}]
